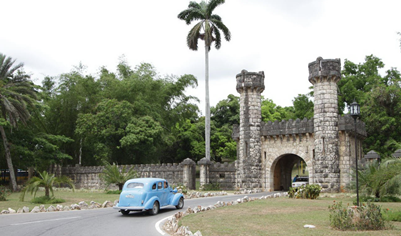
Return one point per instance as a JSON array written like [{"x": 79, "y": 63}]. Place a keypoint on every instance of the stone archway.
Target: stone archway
[{"x": 282, "y": 169}]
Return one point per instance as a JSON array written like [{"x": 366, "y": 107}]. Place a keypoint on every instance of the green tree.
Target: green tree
[
  {"x": 16, "y": 93},
  {"x": 187, "y": 141},
  {"x": 113, "y": 175},
  {"x": 380, "y": 100},
  {"x": 208, "y": 29},
  {"x": 46, "y": 181},
  {"x": 303, "y": 107},
  {"x": 226, "y": 112},
  {"x": 272, "y": 112},
  {"x": 224, "y": 116},
  {"x": 75, "y": 94}
]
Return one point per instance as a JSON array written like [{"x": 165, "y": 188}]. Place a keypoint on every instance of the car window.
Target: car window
[
  {"x": 302, "y": 179},
  {"x": 165, "y": 184},
  {"x": 159, "y": 185},
  {"x": 154, "y": 186},
  {"x": 135, "y": 185}
]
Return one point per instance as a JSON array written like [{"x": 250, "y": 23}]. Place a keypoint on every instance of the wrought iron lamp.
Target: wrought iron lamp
[{"x": 355, "y": 112}]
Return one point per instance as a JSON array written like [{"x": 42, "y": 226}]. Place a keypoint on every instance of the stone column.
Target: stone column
[
  {"x": 324, "y": 75},
  {"x": 204, "y": 164},
  {"x": 250, "y": 85},
  {"x": 189, "y": 173}
]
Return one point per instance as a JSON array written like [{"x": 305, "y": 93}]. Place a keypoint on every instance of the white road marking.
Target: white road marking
[
  {"x": 157, "y": 225},
  {"x": 41, "y": 221}
]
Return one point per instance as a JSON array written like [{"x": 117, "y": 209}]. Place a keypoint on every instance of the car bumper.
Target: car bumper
[{"x": 130, "y": 208}]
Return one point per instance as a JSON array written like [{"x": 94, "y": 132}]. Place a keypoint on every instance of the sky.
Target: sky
[{"x": 279, "y": 37}]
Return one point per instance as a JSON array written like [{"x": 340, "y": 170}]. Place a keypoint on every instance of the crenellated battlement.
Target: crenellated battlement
[
  {"x": 289, "y": 127},
  {"x": 251, "y": 80},
  {"x": 324, "y": 69}
]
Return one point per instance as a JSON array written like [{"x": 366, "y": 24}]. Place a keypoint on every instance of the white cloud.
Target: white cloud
[{"x": 278, "y": 37}]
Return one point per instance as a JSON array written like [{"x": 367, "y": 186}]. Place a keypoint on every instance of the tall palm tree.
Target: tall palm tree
[
  {"x": 16, "y": 92},
  {"x": 208, "y": 29}
]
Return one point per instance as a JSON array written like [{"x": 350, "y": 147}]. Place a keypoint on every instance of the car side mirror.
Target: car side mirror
[{"x": 174, "y": 190}]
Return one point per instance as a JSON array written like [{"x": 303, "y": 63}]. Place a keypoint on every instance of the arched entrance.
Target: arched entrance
[{"x": 284, "y": 168}]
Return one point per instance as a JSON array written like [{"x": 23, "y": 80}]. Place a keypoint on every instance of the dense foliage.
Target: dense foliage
[{"x": 380, "y": 99}]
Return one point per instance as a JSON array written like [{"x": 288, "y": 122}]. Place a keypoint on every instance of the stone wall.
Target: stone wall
[
  {"x": 88, "y": 176},
  {"x": 223, "y": 174}
]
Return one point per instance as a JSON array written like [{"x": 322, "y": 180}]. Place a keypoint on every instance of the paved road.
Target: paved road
[{"x": 97, "y": 222}]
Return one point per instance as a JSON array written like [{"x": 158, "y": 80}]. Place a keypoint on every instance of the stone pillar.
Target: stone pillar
[
  {"x": 250, "y": 85},
  {"x": 204, "y": 164},
  {"x": 189, "y": 173},
  {"x": 324, "y": 75}
]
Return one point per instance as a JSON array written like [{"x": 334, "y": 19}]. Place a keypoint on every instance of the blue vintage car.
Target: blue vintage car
[{"x": 148, "y": 194}]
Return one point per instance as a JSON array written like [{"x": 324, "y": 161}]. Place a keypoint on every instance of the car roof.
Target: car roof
[{"x": 146, "y": 180}]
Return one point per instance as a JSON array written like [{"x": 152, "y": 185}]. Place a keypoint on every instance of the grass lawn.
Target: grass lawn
[
  {"x": 277, "y": 216},
  {"x": 70, "y": 198}
]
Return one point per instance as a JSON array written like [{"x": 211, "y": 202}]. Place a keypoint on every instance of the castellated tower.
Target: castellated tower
[
  {"x": 250, "y": 85},
  {"x": 324, "y": 75}
]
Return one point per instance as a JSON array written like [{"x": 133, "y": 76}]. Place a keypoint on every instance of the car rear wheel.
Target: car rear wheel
[
  {"x": 124, "y": 212},
  {"x": 155, "y": 208},
  {"x": 180, "y": 204}
]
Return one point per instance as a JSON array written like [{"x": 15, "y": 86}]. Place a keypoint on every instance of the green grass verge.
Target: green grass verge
[
  {"x": 277, "y": 216},
  {"x": 69, "y": 197}
]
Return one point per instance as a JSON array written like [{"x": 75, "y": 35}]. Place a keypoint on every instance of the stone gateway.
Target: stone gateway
[{"x": 267, "y": 152}]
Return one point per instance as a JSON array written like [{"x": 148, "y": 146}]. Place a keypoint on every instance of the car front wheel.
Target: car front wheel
[
  {"x": 155, "y": 208},
  {"x": 180, "y": 204}
]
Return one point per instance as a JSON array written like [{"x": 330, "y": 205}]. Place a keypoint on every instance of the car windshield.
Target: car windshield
[
  {"x": 302, "y": 179},
  {"x": 135, "y": 185}
]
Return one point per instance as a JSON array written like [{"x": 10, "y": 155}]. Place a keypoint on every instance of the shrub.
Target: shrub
[
  {"x": 47, "y": 200},
  {"x": 366, "y": 217},
  {"x": 4, "y": 192},
  {"x": 311, "y": 191}
]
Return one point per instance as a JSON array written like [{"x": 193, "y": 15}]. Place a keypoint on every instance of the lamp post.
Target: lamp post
[{"x": 355, "y": 112}]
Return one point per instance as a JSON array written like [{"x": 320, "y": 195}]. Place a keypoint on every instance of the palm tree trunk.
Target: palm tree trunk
[
  {"x": 207, "y": 118},
  {"x": 8, "y": 158},
  {"x": 47, "y": 191}
]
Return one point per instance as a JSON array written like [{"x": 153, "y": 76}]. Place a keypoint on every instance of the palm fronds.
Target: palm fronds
[{"x": 113, "y": 175}]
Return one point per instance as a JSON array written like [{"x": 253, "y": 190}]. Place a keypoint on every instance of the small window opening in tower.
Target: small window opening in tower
[{"x": 246, "y": 149}]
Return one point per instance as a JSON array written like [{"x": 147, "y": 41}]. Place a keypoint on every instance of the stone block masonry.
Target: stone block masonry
[
  {"x": 324, "y": 75},
  {"x": 250, "y": 85},
  {"x": 88, "y": 177}
]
